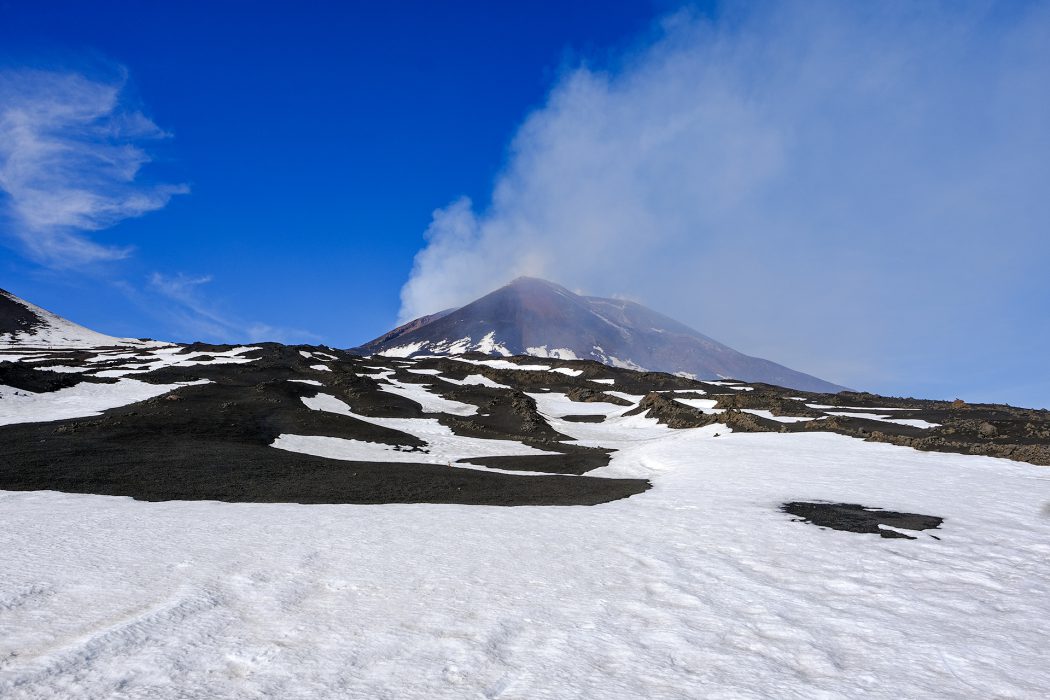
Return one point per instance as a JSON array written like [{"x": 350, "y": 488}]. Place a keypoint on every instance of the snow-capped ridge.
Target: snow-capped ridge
[
  {"x": 23, "y": 324},
  {"x": 530, "y": 316}
]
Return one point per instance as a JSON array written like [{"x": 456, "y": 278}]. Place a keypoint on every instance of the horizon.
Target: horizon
[{"x": 869, "y": 212}]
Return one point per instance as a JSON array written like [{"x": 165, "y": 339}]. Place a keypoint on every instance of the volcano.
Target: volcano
[{"x": 535, "y": 317}]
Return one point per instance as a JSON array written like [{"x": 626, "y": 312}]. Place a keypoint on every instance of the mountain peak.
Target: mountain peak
[
  {"x": 533, "y": 316},
  {"x": 527, "y": 283}
]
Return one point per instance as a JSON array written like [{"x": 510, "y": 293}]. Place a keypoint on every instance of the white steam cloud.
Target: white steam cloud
[
  {"x": 847, "y": 188},
  {"x": 70, "y": 154}
]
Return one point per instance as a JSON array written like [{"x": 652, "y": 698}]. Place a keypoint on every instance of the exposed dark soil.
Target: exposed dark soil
[
  {"x": 27, "y": 378},
  {"x": 14, "y": 317},
  {"x": 994, "y": 430},
  {"x": 577, "y": 463},
  {"x": 852, "y": 517},
  {"x": 212, "y": 442},
  {"x": 672, "y": 413},
  {"x": 584, "y": 418}
]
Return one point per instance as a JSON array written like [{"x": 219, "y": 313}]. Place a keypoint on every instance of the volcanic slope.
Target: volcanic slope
[
  {"x": 318, "y": 425},
  {"x": 718, "y": 538},
  {"x": 534, "y": 317},
  {"x": 23, "y": 324}
]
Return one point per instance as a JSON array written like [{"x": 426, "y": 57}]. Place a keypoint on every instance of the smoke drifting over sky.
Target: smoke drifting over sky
[{"x": 856, "y": 190}]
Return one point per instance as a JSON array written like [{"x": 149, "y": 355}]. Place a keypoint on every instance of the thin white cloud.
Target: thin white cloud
[
  {"x": 784, "y": 174},
  {"x": 196, "y": 317},
  {"x": 70, "y": 157}
]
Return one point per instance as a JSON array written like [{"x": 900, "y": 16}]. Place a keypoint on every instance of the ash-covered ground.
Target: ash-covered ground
[{"x": 304, "y": 424}]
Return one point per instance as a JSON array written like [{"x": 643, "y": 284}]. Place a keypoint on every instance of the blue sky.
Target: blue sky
[
  {"x": 856, "y": 190},
  {"x": 315, "y": 141}
]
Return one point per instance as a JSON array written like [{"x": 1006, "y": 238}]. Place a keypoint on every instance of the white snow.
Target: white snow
[
  {"x": 782, "y": 419},
  {"x": 604, "y": 381},
  {"x": 490, "y": 345},
  {"x": 625, "y": 364},
  {"x": 55, "y": 332},
  {"x": 698, "y": 588},
  {"x": 568, "y": 371},
  {"x": 431, "y": 402},
  {"x": 554, "y": 354},
  {"x": 321, "y": 368},
  {"x": 821, "y": 406},
  {"x": 65, "y": 369},
  {"x": 434, "y": 372},
  {"x": 633, "y": 398},
  {"x": 80, "y": 401},
  {"x": 503, "y": 364},
  {"x": 487, "y": 344},
  {"x": 167, "y": 356},
  {"x": 438, "y": 451},
  {"x": 311, "y": 382},
  {"x": 915, "y": 422},
  {"x": 599, "y": 354},
  {"x": 442, "y": 445},
  {"x": 403, "y": 350},
  {"x": 558, "y": 405},
  {"x": 705, "y": 405},
  {"x": 475, "y": 379}
]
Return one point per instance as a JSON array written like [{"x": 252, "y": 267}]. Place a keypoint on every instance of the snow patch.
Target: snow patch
[
  {"x": 431, "y": 402},
  {"x": 555, "y": 354},
  {"x": 80, "y": 401}
]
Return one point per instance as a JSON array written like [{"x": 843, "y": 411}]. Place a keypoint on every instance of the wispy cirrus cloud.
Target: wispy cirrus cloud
[
  {"x": 71, "y": 152},
  {"x": 199, "y": 318}
]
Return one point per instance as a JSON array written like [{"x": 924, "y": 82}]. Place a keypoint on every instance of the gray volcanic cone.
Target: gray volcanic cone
[{"x": 534, "y": 317}]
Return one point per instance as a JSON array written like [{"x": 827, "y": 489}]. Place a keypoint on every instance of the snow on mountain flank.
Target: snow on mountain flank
[
  {"x": 42, "y": 329},
  {"x": 534, "y": 317},
  {"x": 313, "y": 523}
]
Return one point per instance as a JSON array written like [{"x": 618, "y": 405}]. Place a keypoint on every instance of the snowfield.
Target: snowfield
[{"x": 699, "y": 587}]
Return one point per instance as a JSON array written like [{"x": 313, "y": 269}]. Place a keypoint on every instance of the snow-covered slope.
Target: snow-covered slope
[
  {"x": 23, "y": 324},
  {"x": 700, "y": 587},
  {"x": 535, "y": 317},
  {"x": 312, "y": 523}
]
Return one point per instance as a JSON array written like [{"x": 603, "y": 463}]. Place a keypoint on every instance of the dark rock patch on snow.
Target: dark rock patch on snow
[
  {"x": 573, "y": 463},
  {"x": 852, "y": 517},
  {"x": 28, "y": 378},
  {"x": 584, "y": 418}
]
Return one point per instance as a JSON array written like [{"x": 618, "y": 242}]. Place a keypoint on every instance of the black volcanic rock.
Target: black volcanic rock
[
  {"x": 851, "y": 517},
  {"x": 533, "y": 317},
  {"x": 16, "y": 316}
]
